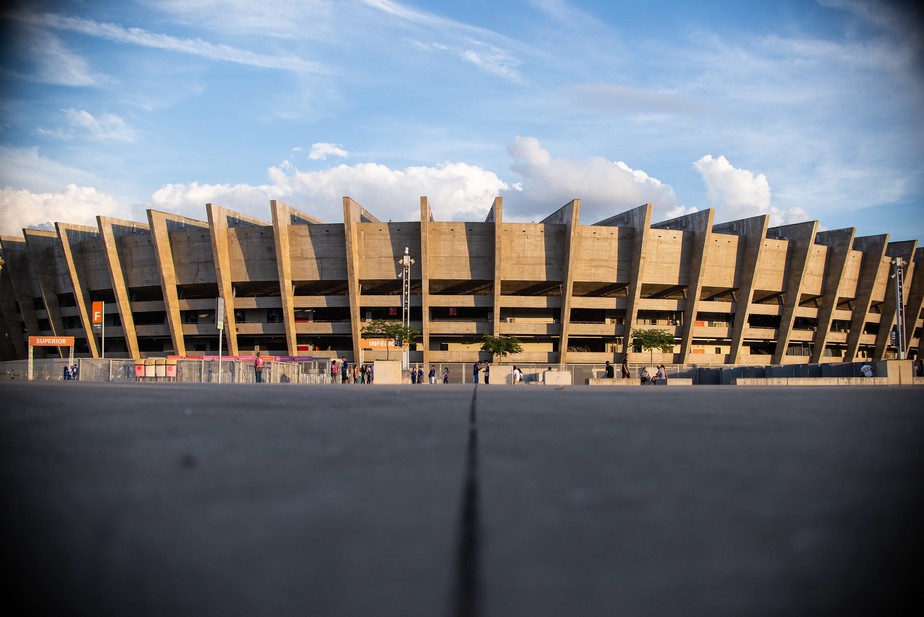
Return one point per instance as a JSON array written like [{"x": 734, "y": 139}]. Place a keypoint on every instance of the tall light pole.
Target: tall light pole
[
  {"x": 405, "y": 263},
  {"x": 899, "y": 276}
]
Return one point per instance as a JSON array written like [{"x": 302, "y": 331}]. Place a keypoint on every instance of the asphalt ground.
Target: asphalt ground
[{"x": 342, "y": 500}]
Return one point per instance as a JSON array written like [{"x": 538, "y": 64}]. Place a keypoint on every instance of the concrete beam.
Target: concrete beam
[
  {"x": 68, "y": 234},
  {"x": 839, "y": 243},
  {"x": 801, "y": 238},
  {"x": 752, "y": 231},
  {"x": 873, "y": 249}
]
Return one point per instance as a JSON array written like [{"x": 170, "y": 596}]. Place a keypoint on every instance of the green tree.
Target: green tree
[
  {"x": 392, "y": 330},
  {"x": 653, "y": 339},
  {"x": 500, "y": 345}
]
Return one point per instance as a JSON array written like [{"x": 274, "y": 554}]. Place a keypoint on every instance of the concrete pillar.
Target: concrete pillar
[
  {"x": 68, "y": 236},
  {"x": 906, "y": 251},
  {"x": 161, "y": 224},
  {"x": 568, "y": 215},
  {"x": 801, "y": 238},
  {"x": 426, "y": 217},
  {"x": 873, "y": 249},
  {"x": 639, "y": 219},
  {"x": 282, "y": 221},
  {"x": 700, "y": 224},
  {"x": 110, "y": 229},
  {"x": 915, "y": 300},
  {"x": 42, "y": 245},
  {"x": 752, "y": 231},
  {"x": 19, "y": 267},
  {"x": 496, "y": 216},
  {"x": 839, "y": 243}
]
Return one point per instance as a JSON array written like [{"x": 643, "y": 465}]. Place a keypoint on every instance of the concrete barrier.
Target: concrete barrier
[
  {"x": 810, "y": 381},
  {"x": 603, "y": 381},
  {"x": 556, "y": 378}
]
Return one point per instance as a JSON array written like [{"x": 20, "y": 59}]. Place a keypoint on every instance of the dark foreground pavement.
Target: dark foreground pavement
[{"x": 442, "y": 500}]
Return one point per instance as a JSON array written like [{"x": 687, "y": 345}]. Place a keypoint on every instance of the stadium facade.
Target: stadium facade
[{"x": 739, "y": 292}]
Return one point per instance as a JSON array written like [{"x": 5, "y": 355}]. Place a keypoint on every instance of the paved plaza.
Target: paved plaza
[{"x": 173, "y": 499}]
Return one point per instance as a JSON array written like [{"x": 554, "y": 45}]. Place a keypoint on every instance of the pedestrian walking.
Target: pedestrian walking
[
  {"x": 475, "y": 369},
  {"x": 487, "y": 372},
  {"x": 445, "y": 374},
  {"x": 432, "y": 374},
  {"x": 625, "y": 367}
]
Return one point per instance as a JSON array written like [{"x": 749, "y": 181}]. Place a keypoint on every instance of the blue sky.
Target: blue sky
[{"x": 802, "y": 110}]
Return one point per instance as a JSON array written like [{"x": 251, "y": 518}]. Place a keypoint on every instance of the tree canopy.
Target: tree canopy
[
  {"x": 653, "y": 339},
  {"x": 392, "y": 330},
  {"x": 500, "y": 345}
]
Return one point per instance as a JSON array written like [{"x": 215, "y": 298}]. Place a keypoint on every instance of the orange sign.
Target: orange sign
[
  {"x": 97, "y": 313},
  {"x": 51, "y": 341},
  {"x": 377, "y": 343}
]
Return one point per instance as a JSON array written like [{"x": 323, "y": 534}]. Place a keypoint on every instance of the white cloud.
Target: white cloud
[
  {"x": 143, "y": 38},
  {"x": 739, "y": 193},
  {"x": 75, "y": 204},
  {"x": 280, "y": 18},
  {"x": 27, "y": 168},
  {"x": 56, "y": 64},
  {"x": 321, "y": 151},
  {"x": 604, "y": 187},
  {"x": 107, "y": 127}
]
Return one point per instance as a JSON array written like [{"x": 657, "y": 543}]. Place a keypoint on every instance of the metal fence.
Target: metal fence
[{"x": 318, "y": 371}]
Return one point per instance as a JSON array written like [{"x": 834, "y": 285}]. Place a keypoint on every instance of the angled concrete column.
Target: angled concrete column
[
  {"x": 752, "y": 232},
  {"x": 700, "y": 223},
  {"x": 19, "y": 265},
  {"x": 69, "y": 235},
  {"x": 873, "y": 249},
  {"x": 839, "y": 243},
  {"x": 282, "y": 221},
  {"x": 426, "y": 217},
  {"x": 915, "y": 299},
  {"x": 496, "y": 216},
  {"x": 8, "y": 302},
  {"x": 801, "y": 237},
  {"x": 906, "y": 251},
  {"x": 566, "y": 215},
  {"x": 639, "y": 219},
  {"x": 352, "y": 213},
  {"x": 110, "y": 229},
  {"x": 42, "y": 245},
  {"x": 162, "y": 224}
]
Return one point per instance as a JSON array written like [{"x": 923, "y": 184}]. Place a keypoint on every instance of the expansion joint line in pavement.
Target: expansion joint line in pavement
[{"x": 467, "y": 596}]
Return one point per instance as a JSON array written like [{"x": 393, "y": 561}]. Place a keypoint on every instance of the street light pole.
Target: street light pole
[
  {"x": 405, "y": 262},
  {"x": 899, "y": 277}
]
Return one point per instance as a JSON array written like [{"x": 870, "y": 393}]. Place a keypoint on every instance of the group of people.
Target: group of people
[
  {"x": 351, "y": 373},
  {"x": 660, "y": 375},
  {"x": 609, "y": 371},
  {"x": 71, "y": 373},
  {"x": 417, "y": 375},
  {"x": 484, "y": 368}
]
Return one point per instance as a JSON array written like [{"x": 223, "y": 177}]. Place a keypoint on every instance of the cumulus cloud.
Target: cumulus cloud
[
  {"x": 80, "y": 205},
  {"x": 739, "y": 193},
  {"x": 321, "y": 151},
  {"x": 605, "y": 187},
  {"x": 456, "y": 191}
]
